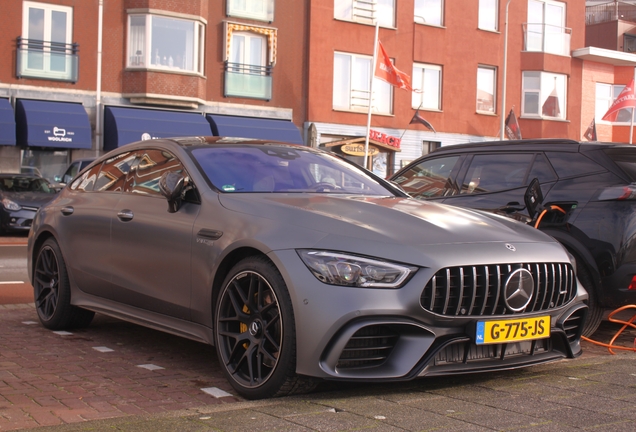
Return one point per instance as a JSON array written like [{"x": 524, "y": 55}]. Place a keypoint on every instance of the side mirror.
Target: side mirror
[{"x": 171, "y": 185}]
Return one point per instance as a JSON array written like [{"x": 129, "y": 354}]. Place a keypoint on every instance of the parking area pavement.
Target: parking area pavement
[{"x": 119, "y": 376}]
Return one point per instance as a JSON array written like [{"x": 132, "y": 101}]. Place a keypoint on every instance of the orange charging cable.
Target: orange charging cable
[{"x": 610, "y": 346}]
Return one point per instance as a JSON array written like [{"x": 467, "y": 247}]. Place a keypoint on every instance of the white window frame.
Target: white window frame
[
  {"x": 486, "y": 83},
  {"x": 245, "y": 56},
  {"x": 544, "y": 34},
  {"x": 351, "y": 86},
  {"x": 547, "y": 83},
  {"x": 488, "y": 15},
  {"x": 424, "y": 8},
  {"x": 141, "y": 54},
  {"x": 47, "y": 29},
  {"x": 260, "y": 10},
  {"x": 606, "y": 94},
  {"x": 365, "y": 11},
  {"x": 426, "y": 95}
]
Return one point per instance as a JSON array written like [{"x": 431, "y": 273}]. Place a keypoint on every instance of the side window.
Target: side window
[
  {"x": 572, "y": 164},
  {"x": 430, "y": 178},
  {"x": 86, "y": 182},
  {"x": 495, "y": 172},
  {"x": 113, "y": 174},
  {"x": 541, "y": 170},
  {"x": 71, "y": 172},
  {"x": 149, "y": 167}
]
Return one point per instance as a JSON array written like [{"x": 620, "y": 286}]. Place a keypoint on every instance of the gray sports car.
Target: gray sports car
[{"x": 298, "y": 266}]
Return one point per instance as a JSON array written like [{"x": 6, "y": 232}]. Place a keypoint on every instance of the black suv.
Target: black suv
[{"x": 592, "y": 184}]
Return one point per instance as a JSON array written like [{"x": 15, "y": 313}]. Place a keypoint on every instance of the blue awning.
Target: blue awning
[
  {"x": 257, "y": 128},
  {"x": 126, "y": 125},
  {"x": 52, "y": 124},
  {"x": 7, "y": 123}
]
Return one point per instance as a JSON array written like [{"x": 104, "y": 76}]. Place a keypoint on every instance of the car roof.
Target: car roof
[
  {"x": 215, "y": 140},
  {"x": 530, "y": 144}
]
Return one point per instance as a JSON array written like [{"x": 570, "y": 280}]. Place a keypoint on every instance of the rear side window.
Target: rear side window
[
  {"x": 429, "y": 178},
  {"x": 540, "y": 170},
  {"x": 572, "y": 164},
  {"x": 625, "y": 159},
  {"x": 495, "y": 172},
  {"x": 86, "y": 182}
]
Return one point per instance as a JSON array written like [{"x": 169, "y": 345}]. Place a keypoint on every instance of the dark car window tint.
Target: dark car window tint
[
  {"x": 25, "y": 184},
  {"x": 149, "y": 166},
  {"x": 429, "y": 178},
  {"x": 625, "y": 159},
  {"x": 541, "y": 170},
  {"x": 572, "y": 164},
  {"x": 495, "y": 172},
  {"x": 86, "y": 181},
  {"x": 112, "y": 176}
]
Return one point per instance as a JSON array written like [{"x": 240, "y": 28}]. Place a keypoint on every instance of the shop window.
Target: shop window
[
  {"x": 488, "y": 15},
  {"x": 544, "y": 95},
  {"x": 45, "y": 49},
  {"x": 486, "y": 82},
  {"x": 366, "y": 11},
  {"x": 262, "y": 10},
  {"x": 351, "y": 82},
  {"x": 165, "y": 43},
  {"x": 427, "y": 86},
  {"x": 429, "y": 12}
]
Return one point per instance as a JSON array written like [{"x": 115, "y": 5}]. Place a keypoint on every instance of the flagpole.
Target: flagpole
[
  {"x": 631, "y": 127},
  {"x": 374, "y": 61},
  {"x": 503, "y": 79}
]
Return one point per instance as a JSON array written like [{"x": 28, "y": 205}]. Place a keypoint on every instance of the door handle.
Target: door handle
[
  {"x": 125, "y": 215},
  {"x": 67, "y": 211}
]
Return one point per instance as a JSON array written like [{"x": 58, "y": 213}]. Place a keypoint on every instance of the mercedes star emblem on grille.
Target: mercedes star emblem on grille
[{"x": 518, "y": 289}]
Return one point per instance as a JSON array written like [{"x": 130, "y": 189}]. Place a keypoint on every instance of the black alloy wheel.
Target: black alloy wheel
[
  {"x": 254, "y": 330},
  {"x": 52, "y": 292}
]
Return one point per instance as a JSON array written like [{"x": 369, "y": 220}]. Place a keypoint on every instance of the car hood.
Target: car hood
[
  {"x": 383, "y": 219},
  {"x": 29, "y": 199}
]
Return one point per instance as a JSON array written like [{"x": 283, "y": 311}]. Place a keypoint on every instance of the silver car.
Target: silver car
[{"x": 299, "y": 266}]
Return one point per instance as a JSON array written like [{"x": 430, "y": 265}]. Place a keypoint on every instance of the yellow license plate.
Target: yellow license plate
[{"x": 514, "y": 330}]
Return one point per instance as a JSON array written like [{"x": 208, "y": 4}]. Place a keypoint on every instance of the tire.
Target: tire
[
  {"x": 52, "y": 291},
  {"x": 255, "y": 333},
  {"x": 595, "y": 312}
]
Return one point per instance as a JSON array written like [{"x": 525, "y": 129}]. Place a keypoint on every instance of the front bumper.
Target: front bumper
[
  {"x": 385, "y": 334},
  {"x": 20, "y": 220}
]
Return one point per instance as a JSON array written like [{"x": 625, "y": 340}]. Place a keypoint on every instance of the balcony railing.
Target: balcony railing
[
  {"x": 47, "y": 60},
  {"x": 248, "y": 81},
  {"x": 547, "y": 38},
  {"x": 611, "y": 11}
]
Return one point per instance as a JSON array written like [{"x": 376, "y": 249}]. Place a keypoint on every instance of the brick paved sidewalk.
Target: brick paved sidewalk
[{"x": 51, "y": 379}]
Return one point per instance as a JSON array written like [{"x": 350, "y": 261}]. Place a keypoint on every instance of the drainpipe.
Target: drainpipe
[{"x": 98, "y": 86}]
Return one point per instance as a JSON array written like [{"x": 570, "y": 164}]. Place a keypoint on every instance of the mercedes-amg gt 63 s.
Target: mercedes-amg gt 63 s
[{"x": 299, "y": 266}]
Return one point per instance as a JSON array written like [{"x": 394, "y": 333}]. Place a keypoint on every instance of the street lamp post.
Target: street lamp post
[{"x": 503, "y": 80}]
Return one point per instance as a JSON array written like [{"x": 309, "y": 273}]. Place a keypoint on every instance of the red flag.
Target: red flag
[
  {"x": 385, "y": 70},
  {"x": 551, "y": 104},
  {"x": 512, "y": 127},
  {"x": 417, "y": 118},
  {"x": 627, "y": 99},
  {"x": 590, "y": 133}
]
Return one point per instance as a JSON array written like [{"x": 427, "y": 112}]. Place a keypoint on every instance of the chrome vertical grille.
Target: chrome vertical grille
[{"x": 479, "y": 290}]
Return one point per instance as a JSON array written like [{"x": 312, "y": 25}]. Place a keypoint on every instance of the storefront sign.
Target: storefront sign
[
  {"x": 357, "y": 149},
  {"x": 59, "y": 135},
  {"x": 385, "y": 139}
]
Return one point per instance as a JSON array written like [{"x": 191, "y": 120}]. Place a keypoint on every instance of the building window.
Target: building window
[
  {"x": 262, "y": 10},
  {"x": 486, "y": 82},
  {"x": 606, "y": 94},
  {"x": 629, "y": 43},
  {"x": 351, "y": 79},
  {"x": 45, "y": 50},
  {"x": 366, "y": 11},
  {"x": 165, "y": 43},
  {"x": 545, "y": 30},
  {"x": 429, "y": 12},
  {"x": 544, "y": 95},
  {"x": 488, "y": 14},
  {"x": 427, "y": 86}
]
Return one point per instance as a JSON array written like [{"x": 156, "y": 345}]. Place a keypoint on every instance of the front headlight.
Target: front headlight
[
  {"x": 336, "y": 268},
  {"x": 10, "y": 205}
]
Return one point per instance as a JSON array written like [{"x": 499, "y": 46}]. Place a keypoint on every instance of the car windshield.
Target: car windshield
[
  {"x": 277, "y": 168},
  {"x": 25, "y": 184}
]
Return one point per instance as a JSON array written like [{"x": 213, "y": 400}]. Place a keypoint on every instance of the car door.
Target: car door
[
  {"x": 496, "y": 181},
  {"x": 152, "y": 247},
  {"x": 85, "y": 222}
]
